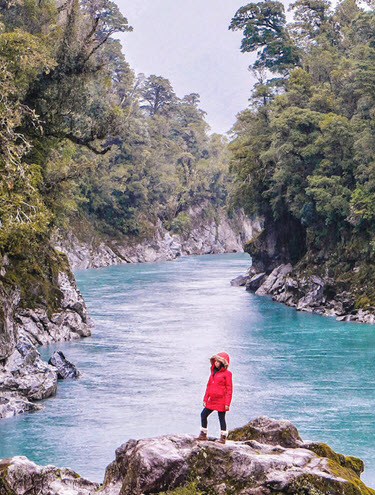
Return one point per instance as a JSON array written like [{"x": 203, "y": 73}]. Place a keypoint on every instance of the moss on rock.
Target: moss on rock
[
  {"x": 189, "y": 489},
  {"x": 5, "y": 489},
  {"x": 322, "y": 450},
  {"x": 36, "y": 276}
]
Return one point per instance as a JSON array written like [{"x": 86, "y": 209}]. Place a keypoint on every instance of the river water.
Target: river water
[{"x": 146, "y": 366}]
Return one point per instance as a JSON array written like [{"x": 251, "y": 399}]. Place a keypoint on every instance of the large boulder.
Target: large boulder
[
  {"x": 26, "y": 373},
  {"x": 25, "y": 378},
  {"x": 270, "y": 459},
  {"x": 20, "y": 476},
  {"x": 13, "y": 403},
  {"x": 269, "y": 431},
  {"x": 239, "y": 281}
]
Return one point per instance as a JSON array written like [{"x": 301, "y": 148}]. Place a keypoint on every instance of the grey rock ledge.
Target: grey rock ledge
[{"x": 265, "y": 457}]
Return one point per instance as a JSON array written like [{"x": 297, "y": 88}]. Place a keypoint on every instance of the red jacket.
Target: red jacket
[{"x": 219, "y": 387}]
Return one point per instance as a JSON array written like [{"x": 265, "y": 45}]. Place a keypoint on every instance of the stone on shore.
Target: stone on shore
[
  {"x": 25, "y": 378},
  {"x": 12, "y": 404},
  {"x": 27, "y": 374}
]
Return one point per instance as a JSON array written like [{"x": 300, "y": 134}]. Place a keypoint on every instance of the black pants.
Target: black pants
[{"x": 206, "y": 412}]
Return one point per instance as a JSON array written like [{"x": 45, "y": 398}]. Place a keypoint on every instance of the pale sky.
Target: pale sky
[{"x": 188, "y": 42}]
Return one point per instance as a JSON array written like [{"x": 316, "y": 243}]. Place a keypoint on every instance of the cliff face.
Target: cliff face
[
  {"x": 276, "y": 244},
  {"x": 265, "y": 457},
  {"x": 35, "y": 309},
  {"x": 204, "y": 235},
  {"x": 328, "y": 282}
]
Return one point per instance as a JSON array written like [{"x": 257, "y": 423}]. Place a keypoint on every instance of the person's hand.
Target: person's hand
[
  {"x": 204, "y": 404},
  {"x": 227, "y": 408}
]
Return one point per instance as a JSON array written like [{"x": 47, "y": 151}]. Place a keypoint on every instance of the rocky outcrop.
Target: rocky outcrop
[
  {"x": 205, "y": 235},
  {"x": 269, "y": 459},
  {"x": 9, "y": 299},
  {"x": 265, "y": 457},
  {"x": 71, "y": 322},
  {"x": 20, "y": 476},
  {"x": 308, "y": 292},
  {"x": 24, "y": 377},
  {"x": 321, "y": 281},
  {"x": 64, "y": 368},
  {"x": 276, "y": 243}
]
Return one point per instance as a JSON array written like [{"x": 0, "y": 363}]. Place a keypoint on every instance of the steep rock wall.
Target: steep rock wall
[{"x": 215, "y": 235}]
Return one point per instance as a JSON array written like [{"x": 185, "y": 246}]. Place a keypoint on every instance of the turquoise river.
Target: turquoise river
[{"x": 146, "y": 366}]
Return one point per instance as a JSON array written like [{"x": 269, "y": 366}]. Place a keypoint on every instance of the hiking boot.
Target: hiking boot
[
  {"x": 202, "y": 435},
  {"x": 223, "y": 437}
]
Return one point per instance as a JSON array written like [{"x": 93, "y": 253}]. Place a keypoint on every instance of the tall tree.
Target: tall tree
[
  {"x": 157, "y": 94},
  {"x": 264, "y": 30}
]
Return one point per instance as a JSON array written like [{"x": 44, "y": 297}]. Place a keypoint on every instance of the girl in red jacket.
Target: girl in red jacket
[{"x": 218, "y": 394}]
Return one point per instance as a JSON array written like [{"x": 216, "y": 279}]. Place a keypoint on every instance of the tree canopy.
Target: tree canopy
[
  {"x": 304, "y": 151},
  {"x": 82, "y": 139}
]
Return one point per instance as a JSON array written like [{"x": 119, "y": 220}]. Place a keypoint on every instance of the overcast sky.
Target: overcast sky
[{"x": 188, "y": 42}]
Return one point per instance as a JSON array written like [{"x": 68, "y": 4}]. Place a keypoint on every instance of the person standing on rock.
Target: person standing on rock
[{"x": 218, "y": 395}]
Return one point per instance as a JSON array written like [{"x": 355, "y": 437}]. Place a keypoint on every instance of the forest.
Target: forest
[
  {"x": 88, "y": 144},
  {"x": 303, "y": 152},
  {"x": 82, "y": 135}
]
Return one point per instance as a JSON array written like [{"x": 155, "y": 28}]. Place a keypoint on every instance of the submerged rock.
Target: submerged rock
[
  {"x": 65, "y": 369},
  {"x": 270, "y": 459}
]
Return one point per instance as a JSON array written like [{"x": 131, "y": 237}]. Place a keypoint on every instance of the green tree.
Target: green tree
[
  {"x": 264, "y": 30},
  {"x": 157, "y": 94}
]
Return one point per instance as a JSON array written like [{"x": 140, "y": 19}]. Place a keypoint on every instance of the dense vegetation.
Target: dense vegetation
[
  {"x": 303, "y": 154},
  {"x": 83, "y": 141},
  {"x": 81, "y": 134}
]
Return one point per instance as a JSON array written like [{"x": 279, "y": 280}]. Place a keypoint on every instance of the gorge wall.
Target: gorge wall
[
  {"x": 35, "y": 309},
  {"x": 205, "y": 235},
  {"x": 324, "y": 282}
]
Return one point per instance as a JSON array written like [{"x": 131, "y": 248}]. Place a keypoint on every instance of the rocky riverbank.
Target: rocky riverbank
[
  {"x": 328, "y": 285},
  {"x": 24, "y": 377},
  {"x": 215, "y": 234},
  {"x": 309, "y": 293},
  {"x": 265, "y": 457}
]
